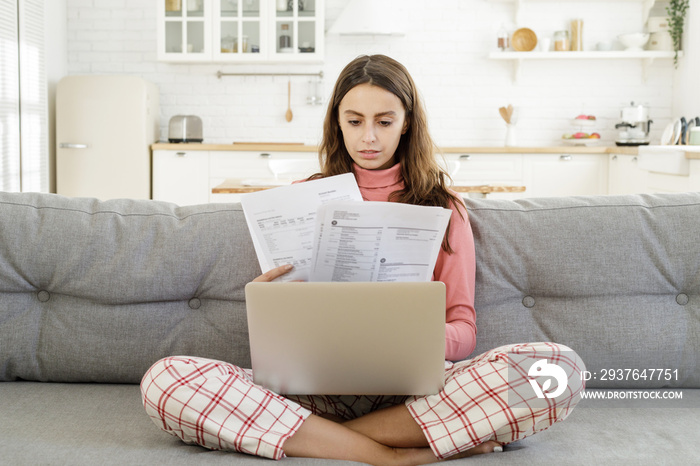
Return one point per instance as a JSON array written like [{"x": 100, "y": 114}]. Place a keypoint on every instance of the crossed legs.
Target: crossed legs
[
  {"x": 217, "y": 405},
  {"x": 386, "y": 437}
]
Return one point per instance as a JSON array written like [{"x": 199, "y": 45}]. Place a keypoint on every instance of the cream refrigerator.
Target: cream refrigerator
[{"x": 104, "y": 128}]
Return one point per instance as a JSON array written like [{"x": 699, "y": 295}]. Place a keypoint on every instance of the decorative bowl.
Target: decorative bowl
[
  {"x": 634, "y": 42},
  {"x": 524, "y": 40}
]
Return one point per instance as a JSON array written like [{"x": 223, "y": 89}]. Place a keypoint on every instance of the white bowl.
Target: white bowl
[{"x": 634, "y": 41}]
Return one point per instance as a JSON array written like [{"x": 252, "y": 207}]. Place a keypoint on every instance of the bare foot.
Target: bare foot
[{"x": 486, "y": 447}]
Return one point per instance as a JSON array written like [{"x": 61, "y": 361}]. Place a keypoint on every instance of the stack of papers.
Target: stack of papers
[{"x": 325, "y": 229}]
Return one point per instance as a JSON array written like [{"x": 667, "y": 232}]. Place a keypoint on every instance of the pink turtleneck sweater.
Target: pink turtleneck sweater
[{"x": 457, "y": 270}]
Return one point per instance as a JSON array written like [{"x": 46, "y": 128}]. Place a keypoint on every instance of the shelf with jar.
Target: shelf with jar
[
  {"x": 524, "y": 44},
  {"x": 240, "y": 31}
]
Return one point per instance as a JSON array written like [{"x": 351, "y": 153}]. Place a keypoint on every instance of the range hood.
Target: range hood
[{"x": 367, "y": 18}]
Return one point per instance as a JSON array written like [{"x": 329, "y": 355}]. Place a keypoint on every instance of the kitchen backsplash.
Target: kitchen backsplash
[{"x": 445, "y": 46}]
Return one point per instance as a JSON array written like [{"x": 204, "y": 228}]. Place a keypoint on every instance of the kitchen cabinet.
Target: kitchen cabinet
[
  {"x": 181, "y": 177},
  {"x": 547, "y": 175},
  {"x": 487, "y": 169},
  {"x": 625, "y": 176},
  {"x": 262, "y": 168},
  {"x": 240, "y": 30},
  {"x": 187, "y": 177}
]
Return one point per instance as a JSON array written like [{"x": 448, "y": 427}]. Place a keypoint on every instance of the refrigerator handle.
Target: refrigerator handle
[{"x": 69, "y": 145}]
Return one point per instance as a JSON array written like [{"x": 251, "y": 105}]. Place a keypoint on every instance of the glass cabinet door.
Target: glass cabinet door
[
  {"x": 185, "y": 33},
  {"x": 240, "y": 29},
  {"x": 298, "y": 28}
]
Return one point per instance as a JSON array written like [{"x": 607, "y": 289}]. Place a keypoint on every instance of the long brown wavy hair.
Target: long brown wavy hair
[{"x": 425, "y": 181}]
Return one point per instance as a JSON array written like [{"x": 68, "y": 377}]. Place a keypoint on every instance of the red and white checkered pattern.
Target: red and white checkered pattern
[
  {"x": 474, "y": 405},
  {"x": 217, "y": 405}
]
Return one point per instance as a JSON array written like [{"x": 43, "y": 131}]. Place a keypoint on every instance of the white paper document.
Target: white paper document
[
  {"x": 328, "y": 233},
  {"x": 282, "y": 220},
  {"x": 377, "y": 242}
]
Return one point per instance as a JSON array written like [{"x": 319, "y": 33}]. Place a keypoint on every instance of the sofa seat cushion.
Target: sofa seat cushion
[{"x": 76, "y": 424}]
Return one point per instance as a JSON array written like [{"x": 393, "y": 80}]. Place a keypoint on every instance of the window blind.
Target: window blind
[
  {"x": 9, "y": 98},
  {"x": 24, "y": 158}
]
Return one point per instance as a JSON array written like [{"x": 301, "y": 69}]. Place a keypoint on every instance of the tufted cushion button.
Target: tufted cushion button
[
  {"x": 195, "y": 303},
  {"x": 43, "y": 296},
  {"x": 682, "y": 299},
  {"x": 529, "y": 301}
]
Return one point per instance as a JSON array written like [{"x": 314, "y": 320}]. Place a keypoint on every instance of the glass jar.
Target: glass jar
[{"x": 561, "y": 41}]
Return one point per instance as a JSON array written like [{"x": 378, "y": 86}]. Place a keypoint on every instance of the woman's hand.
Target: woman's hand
[{"x": 274, "y": 273}]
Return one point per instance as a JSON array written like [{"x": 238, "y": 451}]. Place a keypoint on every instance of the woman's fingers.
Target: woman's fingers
[{"x": 274, "y": 273}]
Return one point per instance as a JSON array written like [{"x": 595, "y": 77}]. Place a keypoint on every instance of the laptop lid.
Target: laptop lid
[{"x": 338, "y": 338}]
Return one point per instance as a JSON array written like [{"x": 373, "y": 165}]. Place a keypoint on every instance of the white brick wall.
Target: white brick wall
[{"x": 445, "y": 48}]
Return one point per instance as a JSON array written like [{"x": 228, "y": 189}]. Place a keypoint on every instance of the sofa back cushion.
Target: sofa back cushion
[
  {"x": 98, "y": 291},
  {"x": 615, "y": 278}
]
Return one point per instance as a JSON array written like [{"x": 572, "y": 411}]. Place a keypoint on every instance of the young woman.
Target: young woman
[{"x": 376, "y": 128}]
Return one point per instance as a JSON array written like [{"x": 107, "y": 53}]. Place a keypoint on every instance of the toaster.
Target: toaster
[{"x": 185, "y": 128}]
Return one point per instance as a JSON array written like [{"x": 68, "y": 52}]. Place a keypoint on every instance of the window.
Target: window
[{"x": 24, "y": 164}]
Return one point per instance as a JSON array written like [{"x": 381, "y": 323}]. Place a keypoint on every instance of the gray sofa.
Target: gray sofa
[{"x": 92, "y": 293}]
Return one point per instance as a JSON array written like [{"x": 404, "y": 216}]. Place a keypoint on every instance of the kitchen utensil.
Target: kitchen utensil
[
  {"x": 677, "y": 127},
  {"x": 511, "y": 136},
  {"x": 504, "y": 114},
  {"x": 634, "y": 42},
  {"x": 185, "y": 128},
  {"x": 689, "y": 130},
  {"x": 512, "y": 116},
  {"x": 634, "y": 127},
  {"x": 684, "y": 129},
  {"x": 667, "y": 135},
  {"x": 524, "y": 40},
  {"x": 289, "y": 115}
]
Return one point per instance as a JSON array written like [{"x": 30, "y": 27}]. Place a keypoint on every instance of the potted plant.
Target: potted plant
[{"x": 676, "y": 10}]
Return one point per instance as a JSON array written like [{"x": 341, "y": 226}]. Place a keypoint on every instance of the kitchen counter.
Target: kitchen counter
[
  {"x": 294, "y": 147},
  {"x": 234, "y": 186}
]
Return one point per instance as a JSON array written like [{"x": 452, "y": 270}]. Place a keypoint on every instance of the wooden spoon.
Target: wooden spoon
[
  {"x": 289, "y": 115},
  {"x": 504, "y": 114}
]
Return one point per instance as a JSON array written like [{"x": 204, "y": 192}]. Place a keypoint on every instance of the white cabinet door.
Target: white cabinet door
[
  {"x": 181, "y": 177},
  {"x": 184, "y": 29},
  {"x": 548, "y": 175},
  {"x": 297, "y": 31},
  {"x": 625, "y": 176},
  {"x": 478, "y": 169},
  {"x": 486, "y": 169}
]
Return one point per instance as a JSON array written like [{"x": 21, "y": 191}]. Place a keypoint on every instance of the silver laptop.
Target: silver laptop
[{"x": 339, "y": 338}]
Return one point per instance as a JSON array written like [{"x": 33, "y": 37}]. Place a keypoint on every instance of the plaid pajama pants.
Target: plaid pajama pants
[{"x": 216, "y": 405}]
